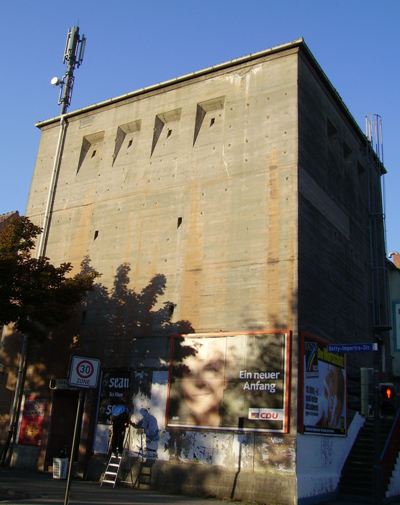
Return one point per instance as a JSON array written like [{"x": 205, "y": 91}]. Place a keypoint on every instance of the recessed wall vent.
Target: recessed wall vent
[
  {"x": 171, "y": 308},
  {"x": 161, "y": 120},
  {"x": 123, "y": 131},
  {"x": 346, "y": 151},
  {"x": 331, "y": 130},
  {"x": 360, "y": 168},
  {"x": 207, "y": 108},
  {"x": 90, "y": 143}
]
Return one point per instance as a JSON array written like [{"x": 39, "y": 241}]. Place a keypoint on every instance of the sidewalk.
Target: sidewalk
[{"x": 21, "y": 487}]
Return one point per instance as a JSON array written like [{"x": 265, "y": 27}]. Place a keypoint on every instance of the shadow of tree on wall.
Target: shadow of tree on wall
[
  {"x": 126, "y": 328},
  {"x": 120, "y": 326}
]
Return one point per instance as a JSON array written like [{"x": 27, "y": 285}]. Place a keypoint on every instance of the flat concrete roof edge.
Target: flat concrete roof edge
[
  {"x": 300, "y": 42},
  {"x": 176, "y": 80}
]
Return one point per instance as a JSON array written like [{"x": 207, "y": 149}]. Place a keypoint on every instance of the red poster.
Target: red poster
[{"x": 31, "y": 426}]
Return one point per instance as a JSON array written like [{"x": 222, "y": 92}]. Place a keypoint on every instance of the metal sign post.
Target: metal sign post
[
  {"x": 83, "y": 374},
  {"x": 74, "y": 443}
]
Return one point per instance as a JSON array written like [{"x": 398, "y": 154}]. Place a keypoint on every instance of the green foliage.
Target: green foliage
[{"x": 34, "y": 294}]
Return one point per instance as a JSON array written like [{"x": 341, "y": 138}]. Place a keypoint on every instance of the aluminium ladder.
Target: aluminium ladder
[{"x": 111, "y": 474}]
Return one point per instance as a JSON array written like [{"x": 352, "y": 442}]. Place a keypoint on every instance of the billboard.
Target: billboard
[
  {"x": 115, "y": 384},
  {"x": 230, "y": 381},
  {"x": 32, "y": 419},
  {"x": 324, "y": 389}
]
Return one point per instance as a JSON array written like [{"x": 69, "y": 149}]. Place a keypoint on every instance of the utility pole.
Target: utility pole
[{"x": 73, "y": 58}]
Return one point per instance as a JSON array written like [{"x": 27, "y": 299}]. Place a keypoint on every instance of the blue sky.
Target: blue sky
[{"x": 132, "y": 44}]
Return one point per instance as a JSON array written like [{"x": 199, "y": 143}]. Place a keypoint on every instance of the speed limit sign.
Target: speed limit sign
[{"x": 84, "y": 372}]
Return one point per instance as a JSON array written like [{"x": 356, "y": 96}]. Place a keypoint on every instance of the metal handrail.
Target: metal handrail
[{"x": 391, "y": 450}]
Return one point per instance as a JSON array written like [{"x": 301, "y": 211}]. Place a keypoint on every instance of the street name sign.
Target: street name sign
[
  {"x": 61, "y": 384},
  {"x": 84, "y": 372},
  {"x": 352, "y": 347}
]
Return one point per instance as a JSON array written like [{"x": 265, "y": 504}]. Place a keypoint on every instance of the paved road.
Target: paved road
[{"x": 20, "y": 487}]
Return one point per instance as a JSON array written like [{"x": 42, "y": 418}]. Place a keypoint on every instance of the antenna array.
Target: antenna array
[{"x": 73, "y": 58}]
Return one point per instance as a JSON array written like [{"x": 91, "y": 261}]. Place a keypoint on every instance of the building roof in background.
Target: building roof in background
[
  {"x": 7, "y": 215},
  {"x": 394, "y": 260}
]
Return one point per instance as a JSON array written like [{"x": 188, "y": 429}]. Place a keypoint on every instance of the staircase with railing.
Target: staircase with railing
[
  {"x": 390, "y": 452},
  {"x": 363, "y": 475}
]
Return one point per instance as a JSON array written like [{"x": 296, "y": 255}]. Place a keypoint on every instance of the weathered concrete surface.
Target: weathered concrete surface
[
  {"x": 341, "y": 295},
  {"x": 196, "y": 479},
  {"x": 233, "y": 189}
]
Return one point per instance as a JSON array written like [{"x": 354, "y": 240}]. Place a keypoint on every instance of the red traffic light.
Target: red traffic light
[
  {"x": 387, "y": 403},
  {"x": 388, "y": 392}
]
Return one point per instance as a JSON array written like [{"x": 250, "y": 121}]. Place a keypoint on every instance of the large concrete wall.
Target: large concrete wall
[
  {"x": 341, "y": 246},
  {"x": 188, "y": 194},
  {"x": 215, "y": 215},
  {"x": 341, "y": 250}
]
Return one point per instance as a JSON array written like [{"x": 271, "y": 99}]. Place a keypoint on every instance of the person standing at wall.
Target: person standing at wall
[
  {"x": 120, "y": 421},
  {"x": 149, "y": 425}
]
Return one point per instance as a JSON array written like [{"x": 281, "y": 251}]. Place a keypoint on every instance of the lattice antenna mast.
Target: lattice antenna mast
[
  {"x": 73, "y": 58},
  {"x": 374, "y": 133}
]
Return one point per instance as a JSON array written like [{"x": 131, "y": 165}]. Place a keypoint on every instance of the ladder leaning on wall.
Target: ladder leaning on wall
[{"x": 110, "y": 476}]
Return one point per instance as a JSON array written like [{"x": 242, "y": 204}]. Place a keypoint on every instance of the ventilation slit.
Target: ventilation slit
[
  {"x": 171, "y": 308},
  {"x": 179, "y": 222}
]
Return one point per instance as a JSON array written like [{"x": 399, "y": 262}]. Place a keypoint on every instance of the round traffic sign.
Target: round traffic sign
[{"x": 84, "y": 369}]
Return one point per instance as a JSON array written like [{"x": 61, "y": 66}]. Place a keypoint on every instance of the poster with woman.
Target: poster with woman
[
  {"x": 229, "y": 381},
  {"x": 324, "y": 389}
]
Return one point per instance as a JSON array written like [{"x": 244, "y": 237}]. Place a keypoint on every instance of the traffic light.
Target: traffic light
[{"x": 387, "y": 399}]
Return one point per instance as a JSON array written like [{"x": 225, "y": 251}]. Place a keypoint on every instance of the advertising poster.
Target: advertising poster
[
  {"x": 133, "y": 387},
  {"x": 115, "y": 384},
  {"x": 324, "y": 402},
  {"x": 229, "y": 382},
  {"x": 31, "y": 425}
]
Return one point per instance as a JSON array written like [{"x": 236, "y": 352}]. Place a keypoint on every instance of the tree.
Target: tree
[{"x": 35, "y": 295}]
